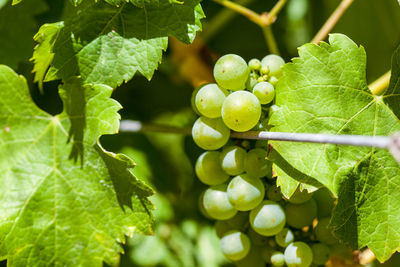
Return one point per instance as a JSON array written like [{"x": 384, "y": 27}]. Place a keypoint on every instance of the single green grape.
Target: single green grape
[
  {"x": 222, "y": 227},
  {"x": 252, "y": 259},
  {"x": 268, "y": 218},
  {"x": 232, "y": 160},
  {"x": 264, "y": 70},
  {"x": 239, "y": 221},
  {"x": 325, "y": 202},
  {"x": 208, "y": 169},
  {"x": 254, "y": 64},
  {"x": 274, "y": 193},
  {"x": 241, "y": 111},
  {"x": 321, "y": 253},
  {"x": 256, "y": 164},
  {"x": 277, "y": 258},
  {"x": 264, "y": 91},
  {"x": 274, "y": 63},
  {"x": 210, "y": 134},
  {"x": 251, "y": 82},
  {"x": 235, "y": 245},
  {"x": 284, "y": 237},
  {"x": 298, "y": 254},
  {"x": 193, "y": 100},
  {"x": 245, "y": 192},
  {"x": 231, "y": 72},
  {"x": 273, "y": 80},
  {"x": 323, "y": 233},
  {"x": 216, "y": 203},
  {"x": 209, "y": 100},
  {"x": 200, "y": 203},
  {"x": 301, "y": 215},
  {"x": 299, "y": 197}
]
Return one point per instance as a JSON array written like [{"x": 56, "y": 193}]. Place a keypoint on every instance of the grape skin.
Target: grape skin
[
  {"x": 210, "y": 134},
  {"x": 277, "y": 258},
  {"x": 323, "y": 233},
  {"x": 301, "y": 215},
  {"x": 268, "y": 218},
  {"x": 245, "y": 192},
  {"x": 256, "y": 164},
  {"x": 216, "y": 203},
  {"x": 209, "y": 100},
  {"x": 232, "y": 160},
  {"x": 275, "y": 63},
  {"x": 298, "y": 254},
  {"x": 321, "y": 253},
  {"x": 284, "y": 237},
  {"x": 241, "y": 111},
  {"x": 264, "y": 91},
  {"x": 208, "y": 169},
  {"x": 299, "y": 197},
  {"x": 231, "y": 72},
  {"x": 235, "y": 245}
]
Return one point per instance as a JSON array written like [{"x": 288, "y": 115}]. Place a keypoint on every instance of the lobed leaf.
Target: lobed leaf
[
  {"x": 64, "y": 199},
  {"x": 108, "y": 44},
  {"x": 325, "y": 91}
]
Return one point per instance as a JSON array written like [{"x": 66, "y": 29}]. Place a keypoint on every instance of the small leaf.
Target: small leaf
[
  {"x": 64, "y": 199},
  {"x": 325, "y": 91}
]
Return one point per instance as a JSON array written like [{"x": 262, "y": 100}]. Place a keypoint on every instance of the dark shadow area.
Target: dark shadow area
[{"x": 126, "y": 187}]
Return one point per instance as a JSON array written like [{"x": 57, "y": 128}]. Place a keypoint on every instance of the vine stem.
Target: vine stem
[
  {"x": 379, "y": 86},
  {"x": 332, "y": 20}
]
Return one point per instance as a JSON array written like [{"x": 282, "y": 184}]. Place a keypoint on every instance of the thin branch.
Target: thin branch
[
  {"x": 271, "y": 17},
  {"x": 331, "y": 22},
  {"x": 270, "y": 40},
  {"x": 381, "y": 84},
  {"x": 248, "y": 13}
]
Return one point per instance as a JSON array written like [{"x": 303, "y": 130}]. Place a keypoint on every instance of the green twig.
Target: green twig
[
  {"x": 270, "y": 39},
  {"x": 380, "y": 85}
]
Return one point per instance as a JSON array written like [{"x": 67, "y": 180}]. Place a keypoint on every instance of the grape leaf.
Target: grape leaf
[
  {"x": 17, "y": 26},
  {"x": 64, "y": 199},
  {"x": 325, "y": 91},
  {"x": 107, "y": 44}
]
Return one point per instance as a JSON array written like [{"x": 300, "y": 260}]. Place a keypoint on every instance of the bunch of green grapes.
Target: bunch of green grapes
[{"x": 256, "y": 224}]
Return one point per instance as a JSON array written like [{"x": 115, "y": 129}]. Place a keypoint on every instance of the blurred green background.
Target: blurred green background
[{"x": 183, "y": 236}]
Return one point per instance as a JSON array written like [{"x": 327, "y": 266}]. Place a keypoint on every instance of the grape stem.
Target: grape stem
[
  {"x": 332, "y": 20},
  {"x": 380, "y": 85}
]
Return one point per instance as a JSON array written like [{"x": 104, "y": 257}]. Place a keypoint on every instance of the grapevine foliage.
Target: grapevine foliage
[
  {"x": 60, "y": 191},
  {"x": 107, "y": 44},
  {"x": 325, "y": 91}
]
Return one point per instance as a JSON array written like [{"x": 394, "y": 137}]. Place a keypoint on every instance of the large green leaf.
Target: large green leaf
[
  {"x": 17, "y": 27},
  {"x": 107, "y": 44},
  {"x": 325, "y": 91},
  {"x": 64, "y": 200}
]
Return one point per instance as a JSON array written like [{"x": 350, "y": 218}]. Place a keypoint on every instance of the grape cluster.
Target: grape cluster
[{"x": 256, "y": 224}]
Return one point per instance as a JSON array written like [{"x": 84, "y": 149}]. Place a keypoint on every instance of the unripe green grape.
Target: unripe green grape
[
  {"x": 323, "y": 233},
  {"x": 216, "y": 203},
  {"x": 284, "y": 237},
  {"x": 274, "y": 63},
  {"x": 264, "y": 91},
  {"x": 241, "y": 111},
  {"x": 325, "y": 202},
  {"x": 256, "y": 164},
  {"x": 273, "y": 80},
  {"x": 208, "y": 169},
  {"x": 321, "y": 253},
  {"x": 200, "y": 203},
  {"x": 298, "y": 254},
  {"x": 264, "y": 70},
  {"x": 251, "y": 82},
  {"x": 209, "y": 100},
  {"x": 256, "y": 238},
  {"x": 277, "y": 258},
  {"x": 235, "y": 245},
  {"x": 301, "y": 215},
  {"x": 268, "y": 218},
  {"x": 254, "y": 64},
  {"x": 239, "y": 221},
  {"x": 222, "y": 227},
  {"x": 232, "y": 159},
  {"x": 274, "y": 193},
  {"x": 299, "y": 197},
  {"x": 252, "y": 259},
  {"x": 231, "y": 72},
  {"x": 245, "y": 192},
  {"x": 210, "y": 134},
  {"x": 193, "y": 100}
]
